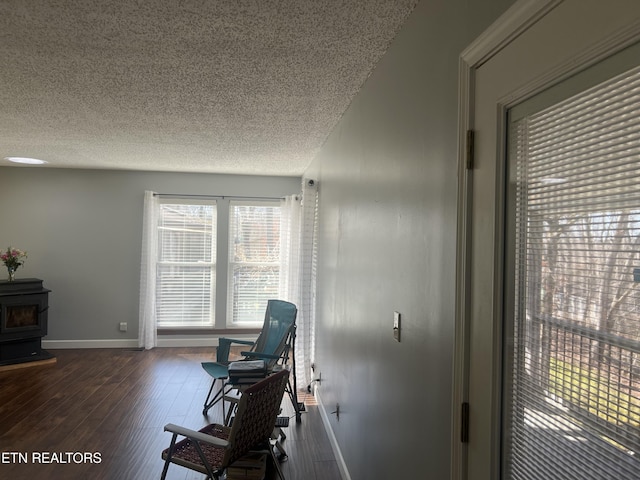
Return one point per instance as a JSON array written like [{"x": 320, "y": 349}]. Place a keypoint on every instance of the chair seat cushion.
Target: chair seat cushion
[
  {"x": 216, "y": 370},
  {"x": 185, "y": 451}
]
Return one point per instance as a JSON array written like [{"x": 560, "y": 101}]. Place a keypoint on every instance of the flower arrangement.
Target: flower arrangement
[{"x": 12, "y": 259}]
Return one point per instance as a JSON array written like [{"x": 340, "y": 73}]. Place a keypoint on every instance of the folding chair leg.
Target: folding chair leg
[
  {"x": 169, "y": 454},
  {"x": 293, "y": 390},
  {"x": 208, "y": 404},
  {"x": 229, "y": 414},
  {"x": 231, "y": 399},
  {"x": 276, "y": 463},
  {"x": 215, "y": 399},
  {"x": 282, "y": 457},
  {"x": 294, "y": 401}
]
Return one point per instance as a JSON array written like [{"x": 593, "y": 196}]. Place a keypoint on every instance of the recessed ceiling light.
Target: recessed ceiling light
[{"x": 26, "y": 160}]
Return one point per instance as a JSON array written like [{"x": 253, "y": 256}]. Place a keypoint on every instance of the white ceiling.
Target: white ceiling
[{"x": 220, "y": 86}]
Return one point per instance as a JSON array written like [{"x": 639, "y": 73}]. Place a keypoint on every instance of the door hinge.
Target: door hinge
[
  {"x": 470, "y": 149},
  {"x": 464, "y": 423}
]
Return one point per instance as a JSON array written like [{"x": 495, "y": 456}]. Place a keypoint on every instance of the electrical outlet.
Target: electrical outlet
[
  {"x": 396, "y": 326},
  {"x": 317, "y": 381},
  {"x": 123, "y": 326}
]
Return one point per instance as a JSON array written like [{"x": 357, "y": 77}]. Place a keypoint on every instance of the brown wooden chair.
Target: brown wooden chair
[{"x": 215, "y": 447}]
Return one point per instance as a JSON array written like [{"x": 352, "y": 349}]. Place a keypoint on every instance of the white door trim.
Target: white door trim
[
  {"x": 515, "y": 20},
  {"x": 509, "y": 26}
]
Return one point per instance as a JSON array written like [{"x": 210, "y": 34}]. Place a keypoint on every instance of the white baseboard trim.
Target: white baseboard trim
[
  {"x": 342, "y": 466},
  {"x": 133, "y": 342},
  {"x": 187, "y": 342},
  {"x": 71, "y": 344}
]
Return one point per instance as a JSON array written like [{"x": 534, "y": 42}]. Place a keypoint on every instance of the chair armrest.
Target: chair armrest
[
  {"x": 195, "y": 435},
  {"x": 259, "y": 355},
  {"x": 235, "y": 340},
  {"x": 224, "y": 346}
]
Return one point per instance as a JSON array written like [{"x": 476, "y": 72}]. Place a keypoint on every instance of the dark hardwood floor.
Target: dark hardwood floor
[{"x": 100, "y": 414}]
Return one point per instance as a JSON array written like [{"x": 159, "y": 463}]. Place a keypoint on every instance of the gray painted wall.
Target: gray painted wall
[
  {"x": 388, "y": 191},
  {"x": 82, "y": 230}
]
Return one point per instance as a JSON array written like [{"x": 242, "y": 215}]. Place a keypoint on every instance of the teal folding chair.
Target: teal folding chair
[{"x": 273, "y": 345}]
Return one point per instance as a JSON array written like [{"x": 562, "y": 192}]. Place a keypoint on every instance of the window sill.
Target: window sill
[{"x": 206, "y": 331}]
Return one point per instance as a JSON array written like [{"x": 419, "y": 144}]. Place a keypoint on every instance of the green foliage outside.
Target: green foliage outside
[{"x": 591, "y": 391}]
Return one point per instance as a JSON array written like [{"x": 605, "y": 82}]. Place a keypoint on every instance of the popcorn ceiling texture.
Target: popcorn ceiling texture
[{"x": 235, "y": 86}]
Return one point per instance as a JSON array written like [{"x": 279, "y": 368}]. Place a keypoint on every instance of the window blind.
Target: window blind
[
  {"x": 573, "y": 373},
  {"x": 186, "y": 265},
  {"x": 254, "y": 260}
]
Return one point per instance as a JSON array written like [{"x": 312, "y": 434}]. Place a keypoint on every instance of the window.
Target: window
[
  {"x": 219, "y": 256},
  {"x": 254, "y": 260},
  {"x": 186, "y": 264},
  {"x": 573, "y": 402}
]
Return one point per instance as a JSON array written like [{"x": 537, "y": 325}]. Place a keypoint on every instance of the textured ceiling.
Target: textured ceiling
[{"x": 235, "y": 86}]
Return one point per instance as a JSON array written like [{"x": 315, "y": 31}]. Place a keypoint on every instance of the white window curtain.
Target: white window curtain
[
  {"x": 147, "y": 332},
  {"x": 298, "y": 276}
]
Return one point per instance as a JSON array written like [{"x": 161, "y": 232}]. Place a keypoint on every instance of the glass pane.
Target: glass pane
[
  {"x": 186, "y": 265},
  {"x": 186, "y": 233},
  {"x": 22, "y": 316},
  {"x": 254, "y": 260},
  {"x": 184, "y": 295},
  {"x": 573, "y": 376},
  {"x": 255, "y": 233},
  {"x": 253, "y": 286}
]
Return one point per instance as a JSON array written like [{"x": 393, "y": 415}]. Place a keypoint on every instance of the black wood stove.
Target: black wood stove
[{"x": 23, "y": 321}]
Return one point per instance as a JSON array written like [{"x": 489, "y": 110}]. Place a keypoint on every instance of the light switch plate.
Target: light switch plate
[{"x": 396, "y": 326}]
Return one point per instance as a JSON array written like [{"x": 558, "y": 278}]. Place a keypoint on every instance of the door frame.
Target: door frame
[{"x": 517, "y": 19}]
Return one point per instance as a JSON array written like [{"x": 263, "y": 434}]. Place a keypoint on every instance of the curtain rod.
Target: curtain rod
[{"x": 222, "y": 197}]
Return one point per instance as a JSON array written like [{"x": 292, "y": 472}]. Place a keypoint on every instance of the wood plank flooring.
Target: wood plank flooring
[{"x": 100, "y": 413}]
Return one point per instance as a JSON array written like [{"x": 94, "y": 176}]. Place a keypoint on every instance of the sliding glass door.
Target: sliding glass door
[{"x": 572, "y": 364}]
